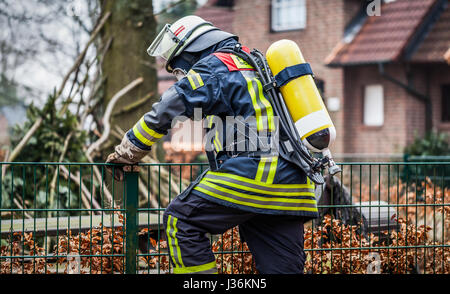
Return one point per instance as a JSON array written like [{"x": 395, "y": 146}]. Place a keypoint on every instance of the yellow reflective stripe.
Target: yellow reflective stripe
[
  {"x": 171, "y": 232},
  {"x": 169, "y": 238},
  {"x": 150, "y": 131},
  {"x": 259, "y": 198},
  {"x": 199, "y": 78},
  {"x": 311, "y": 183},
  {"x": 260, "y": 191},
  {"x": 268, "y": 106},
  {"x": 191, "y": 81},
  {"x": 176, "y": 241},
  {"x": 273, "y": 169},
  {"x": 247, "y": 203},
  {"x": 141, "y": 138},
  {"x": 266, "y": 169},
  {"x": 196, "y": 269},
  {"x": 251, "y": 90},
  {"x": 251, "y": 181},
  {"x": 146, "y": 135},
  {"x": 263, "y": 108},
  {"x": 210, "y": 119},
  {"x": 239, "y": 62},
  {"x": 216, "y": 141},
  {"x": 261, "y": 167},
  {"x": 195, "y": 79}
]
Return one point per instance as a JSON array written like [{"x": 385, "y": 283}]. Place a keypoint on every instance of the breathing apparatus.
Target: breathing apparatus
[
  {"x": 305, "y": 125},
  {"x": 303, "y": 118}
]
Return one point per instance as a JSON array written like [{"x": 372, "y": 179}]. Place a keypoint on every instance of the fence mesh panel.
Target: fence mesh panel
[{"x": 75, "y": 218}]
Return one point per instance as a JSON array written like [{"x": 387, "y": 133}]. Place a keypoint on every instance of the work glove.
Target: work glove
[{"x": 126, "y": 154}]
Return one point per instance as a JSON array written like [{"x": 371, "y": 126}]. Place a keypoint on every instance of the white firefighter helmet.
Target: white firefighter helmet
[{"x": 178, "y": 37}]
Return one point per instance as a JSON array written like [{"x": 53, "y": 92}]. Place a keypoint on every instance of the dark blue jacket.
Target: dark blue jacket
[{"x": 223, "y": 85}]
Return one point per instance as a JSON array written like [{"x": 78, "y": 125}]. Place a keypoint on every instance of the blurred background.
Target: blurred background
[{"x": 74, "y": 74}]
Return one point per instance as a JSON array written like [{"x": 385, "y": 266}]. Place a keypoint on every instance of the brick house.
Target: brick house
[
  {"x": 384, "y": 78},
  {"x": 396, "y": 77}
]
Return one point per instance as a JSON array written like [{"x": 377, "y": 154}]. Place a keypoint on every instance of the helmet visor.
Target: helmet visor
[{"x": 164, "y": 43}]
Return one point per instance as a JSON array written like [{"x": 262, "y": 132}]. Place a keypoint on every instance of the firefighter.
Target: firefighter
[{"x": 268, "y": 197}]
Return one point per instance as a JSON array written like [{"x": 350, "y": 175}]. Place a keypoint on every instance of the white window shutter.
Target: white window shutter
[{"x": 373, "y": 105}]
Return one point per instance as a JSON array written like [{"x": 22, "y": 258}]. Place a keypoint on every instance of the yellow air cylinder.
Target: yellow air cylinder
[{"x": 302, "y": 98}]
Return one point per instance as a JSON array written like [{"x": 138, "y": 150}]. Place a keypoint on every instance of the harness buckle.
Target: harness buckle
[{"x": 270, "y": 86}]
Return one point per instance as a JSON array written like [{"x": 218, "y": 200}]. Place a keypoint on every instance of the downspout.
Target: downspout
[{"x": 424, "y": 98}]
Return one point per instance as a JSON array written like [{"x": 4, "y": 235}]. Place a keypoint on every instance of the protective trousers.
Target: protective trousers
[{"x": 276, "y": 241}]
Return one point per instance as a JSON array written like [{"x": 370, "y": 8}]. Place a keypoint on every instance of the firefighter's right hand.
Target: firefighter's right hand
[
  {"x": 126, "y": 155},
  {"x": 123, "y": 165}
]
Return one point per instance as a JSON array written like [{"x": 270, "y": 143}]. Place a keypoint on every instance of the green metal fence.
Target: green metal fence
[{"x": 75, "y": 218}]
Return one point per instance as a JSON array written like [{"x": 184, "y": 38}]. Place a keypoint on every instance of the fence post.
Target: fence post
[
  {"x": 406, "y": 168},
  {"x": 131, "y": 221}
]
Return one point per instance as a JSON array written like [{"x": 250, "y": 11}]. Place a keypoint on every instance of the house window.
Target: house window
[
  {"x": 445, "y": 103},
  {"x": 373, "y": 105},
  {"x": 288, "y": 15}
]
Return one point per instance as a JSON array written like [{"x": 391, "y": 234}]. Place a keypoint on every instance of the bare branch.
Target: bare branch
[
  {"x": 108, "y": 112},
  {"x": 37, "y": 124}
]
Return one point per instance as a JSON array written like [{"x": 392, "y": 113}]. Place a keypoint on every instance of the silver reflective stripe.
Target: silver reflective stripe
[
  {"x": 266, "y": 170},
  {"x": 254, "y": 201},
  {"x": 264, "y": 188},
  {"x": 195, "y": 80},
  {"x": 144, "y": 133}
]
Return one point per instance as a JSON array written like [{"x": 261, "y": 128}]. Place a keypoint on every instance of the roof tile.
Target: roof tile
[
  {"x": 437, "y": 42},
  {"x": 382, "y": 38}
]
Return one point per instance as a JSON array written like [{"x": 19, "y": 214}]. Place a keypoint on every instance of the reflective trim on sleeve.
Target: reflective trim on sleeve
[
  {"x": 144, "y": 134},
  {"x": 149, "y": 131},
  {"x": 195, "y": 79}
]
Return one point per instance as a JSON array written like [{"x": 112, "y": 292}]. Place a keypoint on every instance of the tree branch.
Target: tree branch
[
  {"x": 108, "y": 112},
  {"x": 37, "y": 124}
]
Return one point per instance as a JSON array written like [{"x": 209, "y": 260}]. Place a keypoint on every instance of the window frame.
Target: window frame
[
  {"x": 383, "y": 108},
  {"x": 280, "y": 30}
]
